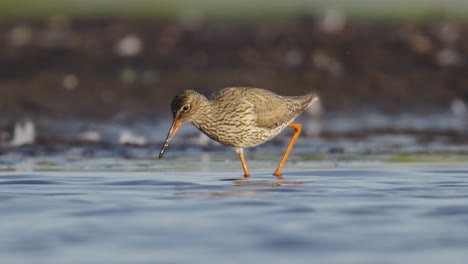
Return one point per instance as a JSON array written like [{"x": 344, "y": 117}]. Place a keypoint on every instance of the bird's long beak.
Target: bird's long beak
[{"x": 175, "y": 126}]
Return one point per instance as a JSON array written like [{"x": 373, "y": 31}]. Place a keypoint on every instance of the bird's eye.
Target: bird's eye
[{"x": 185, "y": 108}]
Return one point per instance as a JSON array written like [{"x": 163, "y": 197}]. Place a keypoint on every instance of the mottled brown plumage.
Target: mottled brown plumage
[{"x": 239, "y": 117}]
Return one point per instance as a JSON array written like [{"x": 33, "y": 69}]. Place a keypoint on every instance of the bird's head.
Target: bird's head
[
  {"x": 184, "y": 109},
  {"x": 183, "y": 105}
]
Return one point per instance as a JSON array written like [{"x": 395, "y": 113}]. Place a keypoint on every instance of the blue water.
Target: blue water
[{"x": 353, "y": 213}]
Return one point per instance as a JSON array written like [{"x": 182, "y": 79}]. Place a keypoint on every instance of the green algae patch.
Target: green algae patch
[
  {"x": 428, "y": 158},
  {"x": 46, "y": 163}
]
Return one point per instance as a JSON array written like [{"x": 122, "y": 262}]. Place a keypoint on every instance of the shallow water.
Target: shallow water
[{"x": 198, "y": 211}]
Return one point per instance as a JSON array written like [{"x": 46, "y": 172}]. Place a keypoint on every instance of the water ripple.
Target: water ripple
[
  {"x": 453, "y": 210},
  {"x": 353, "y": 215},
  {"x": 30, "y": 182}
]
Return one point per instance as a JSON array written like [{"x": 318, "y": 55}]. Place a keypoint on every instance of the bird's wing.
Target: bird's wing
[
  {"x": 274, "y": 112},
  {"x": 268, "y": 110}
]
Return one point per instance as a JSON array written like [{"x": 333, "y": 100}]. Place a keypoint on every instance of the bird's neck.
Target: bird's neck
[{"x": 206, "y": 115}]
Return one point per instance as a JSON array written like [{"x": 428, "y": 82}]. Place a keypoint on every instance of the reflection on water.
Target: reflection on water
[{"x": 351, "y": 214}]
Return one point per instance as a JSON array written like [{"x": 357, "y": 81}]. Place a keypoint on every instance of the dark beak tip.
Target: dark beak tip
[{"x": 161, "y": 154}]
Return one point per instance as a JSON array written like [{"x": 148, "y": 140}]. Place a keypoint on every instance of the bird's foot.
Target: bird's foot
[{"x": 279, "y": 176}]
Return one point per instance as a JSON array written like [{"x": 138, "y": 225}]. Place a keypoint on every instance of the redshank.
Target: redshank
[{"x": 239, "y": 117}]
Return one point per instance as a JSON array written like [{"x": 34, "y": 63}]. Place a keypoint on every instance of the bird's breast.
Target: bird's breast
[{"x": 238, "y": 134}]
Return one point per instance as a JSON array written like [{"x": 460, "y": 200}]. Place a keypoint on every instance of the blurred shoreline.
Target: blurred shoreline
[{"x": 360, "y": 135}]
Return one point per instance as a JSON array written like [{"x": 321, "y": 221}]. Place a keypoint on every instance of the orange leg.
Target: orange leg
[
  {"x": 244, "y": 164},
  {"x": 297, "y": 132}
]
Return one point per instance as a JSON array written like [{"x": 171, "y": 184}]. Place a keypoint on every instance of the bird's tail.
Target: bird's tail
[{"x": 308, "y": 100}]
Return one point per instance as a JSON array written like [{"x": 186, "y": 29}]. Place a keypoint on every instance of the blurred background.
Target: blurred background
[{"x": 105, "y": 71}]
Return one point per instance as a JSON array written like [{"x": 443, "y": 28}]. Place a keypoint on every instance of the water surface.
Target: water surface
[{"x": 206, "y": 213}]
